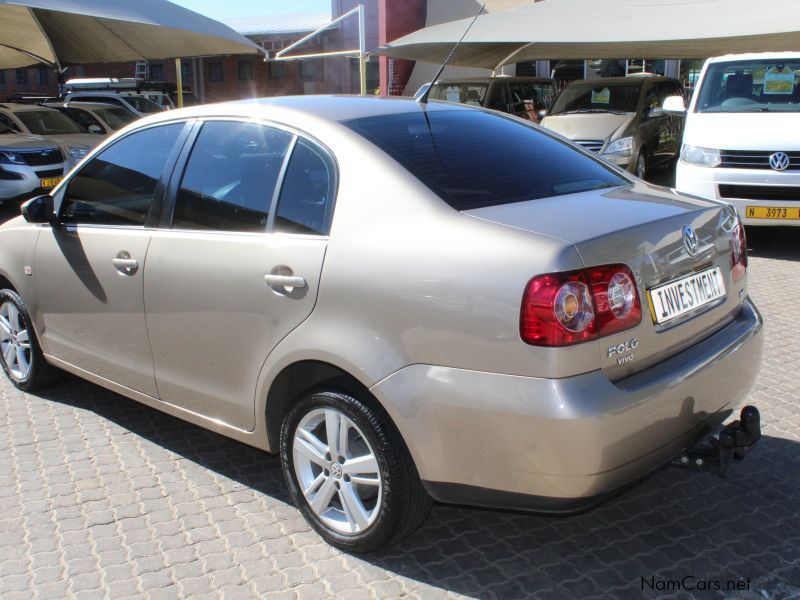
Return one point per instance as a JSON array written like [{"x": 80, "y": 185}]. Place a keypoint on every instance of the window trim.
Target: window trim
[
  {"x": 159, "y": 194},
  {"x": 173, "y": 185}
]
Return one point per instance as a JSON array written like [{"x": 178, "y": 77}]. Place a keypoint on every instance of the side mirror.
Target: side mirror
[
  {"x": 656, "y": 111},
  {"x": 542, "y": 113},
  {"x": 39, "y": 210},
  {"x": 95, "y": 128},
  {"x": 674, "y": 106}
]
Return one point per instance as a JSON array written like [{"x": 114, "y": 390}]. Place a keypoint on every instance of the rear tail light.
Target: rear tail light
[
  {"x": 561, "y": 309},
  {"x": 739, "y": 252}
]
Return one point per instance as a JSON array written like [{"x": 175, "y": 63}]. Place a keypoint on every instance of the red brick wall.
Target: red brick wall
[
  {"x": 10, "y": 87},
  {"x": 396, "y": 19}
]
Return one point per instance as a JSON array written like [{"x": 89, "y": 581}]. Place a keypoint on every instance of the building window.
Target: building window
[
  {"x": 185, "y": 71},
  {"x": 2, "y": 77},
  {"x": 42, "y": 76},
  {"x": 22, "y": 76},
  {"x": 245, "y": 70},
  {"x": 215, "y": 72},
  {"x": 277, "y": 69},
  {"x": 157, "y": 72},
  {"x": 308, "y": 69}
]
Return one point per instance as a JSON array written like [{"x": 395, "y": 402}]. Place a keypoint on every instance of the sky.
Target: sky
[{"x": 254, "y": 8}]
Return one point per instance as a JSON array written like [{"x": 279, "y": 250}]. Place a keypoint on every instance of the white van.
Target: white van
[{"x": 741, "y": 141}]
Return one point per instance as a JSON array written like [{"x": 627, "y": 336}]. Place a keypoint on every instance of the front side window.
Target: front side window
[
  {"x": 118, "y": 186},
  {"x": 473, "y": 159},
  {"x": 306, "y": 201},
  {"x": 764, "y": 85},
  {"x": 589, "y": 97},
  {"x": 230, "y": 177},
  {"x": 48, "y": 122}
]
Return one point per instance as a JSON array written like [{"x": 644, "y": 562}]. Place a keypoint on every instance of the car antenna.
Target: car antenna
[{"x": 423, "y": 99}]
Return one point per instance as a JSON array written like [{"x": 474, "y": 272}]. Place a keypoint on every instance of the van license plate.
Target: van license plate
[
  {"x": 51, "y": 182},
  {"x": 686, "y": 294},
  {"x": 770, "y": 212}
]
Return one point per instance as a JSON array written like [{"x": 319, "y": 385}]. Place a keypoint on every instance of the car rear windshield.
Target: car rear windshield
[
  {"x": 598, "y": 97},
  {"x": 473, "y": 159},
  {"x": 465, "y": 93}
]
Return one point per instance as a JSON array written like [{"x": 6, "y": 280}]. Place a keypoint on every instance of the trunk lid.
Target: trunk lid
[{"x": 640, "y": 226}]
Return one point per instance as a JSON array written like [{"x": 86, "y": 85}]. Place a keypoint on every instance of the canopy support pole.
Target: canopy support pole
[{"x": 179, "y": 82}]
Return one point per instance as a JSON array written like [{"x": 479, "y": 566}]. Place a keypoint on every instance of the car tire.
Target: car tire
[
  {"x": 20, "y": 352},
  {"x": 358, "y": 504},
  {"x": 641, "y": 165}
]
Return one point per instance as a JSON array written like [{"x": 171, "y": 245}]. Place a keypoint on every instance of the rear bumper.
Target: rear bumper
[
  {"x": 563, "y": 444},
  {"x": 705, "y": 182}
]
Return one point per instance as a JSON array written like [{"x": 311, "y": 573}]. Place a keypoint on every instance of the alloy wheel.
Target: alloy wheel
[
  {"x": 15, "y": 344},
  {"x": 337, "y": 471}
]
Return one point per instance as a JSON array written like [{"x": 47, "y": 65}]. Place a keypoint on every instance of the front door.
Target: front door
[
  {"x": 89, "y": 269},
  {"x": 239, "y": 267}
]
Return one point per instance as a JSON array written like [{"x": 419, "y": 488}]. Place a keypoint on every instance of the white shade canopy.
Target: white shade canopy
[
  {"x": 62, "y": 32},
  {"x": 576, "y": 29}
]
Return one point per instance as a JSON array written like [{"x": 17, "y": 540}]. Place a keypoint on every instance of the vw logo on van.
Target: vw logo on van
[
  {"x": 779, "y": 161},
  {"x": 690, "y": 240}
]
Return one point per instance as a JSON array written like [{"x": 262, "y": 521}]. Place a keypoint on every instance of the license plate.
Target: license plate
[
  {"x": 770, "y": 212},
  {"x": 686, "y": 294},
  {"x": 51, "y": 182}
]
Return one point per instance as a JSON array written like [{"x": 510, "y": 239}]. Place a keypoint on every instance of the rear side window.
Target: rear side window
[
  {"x": 306, "y": 200},
  {"x": 230, "y": 177},
  {"x": 118, "y": 186},
  {"x": 473, "y": 159}
]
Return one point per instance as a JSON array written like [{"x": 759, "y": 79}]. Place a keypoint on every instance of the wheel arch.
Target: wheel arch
[{"x": 302, "y": 377}]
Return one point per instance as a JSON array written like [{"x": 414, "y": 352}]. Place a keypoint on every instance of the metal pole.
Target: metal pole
[
  {"x": 179, "y": 82},
  {"x": 362, "y": 50}
]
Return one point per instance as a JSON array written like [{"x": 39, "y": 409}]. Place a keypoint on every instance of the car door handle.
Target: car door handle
[
  {"x": 285, "y": 281},
  {"x": 125, "y": 264}
]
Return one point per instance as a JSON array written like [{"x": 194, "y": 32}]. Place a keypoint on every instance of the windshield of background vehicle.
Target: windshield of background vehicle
[
  {"x": 142, "y": 104},
  {"x": 764, "y": 85},
  {"x": 473, "y": 159},
  {"x": 48, "y": 122},
  {"x": 598, "y": 97},
  {"x": 116, "y": 118},
  {"x": 465, "y": 93}
]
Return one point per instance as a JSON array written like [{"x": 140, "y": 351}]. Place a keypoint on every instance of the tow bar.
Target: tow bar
[{"x": 730, "y": 442}]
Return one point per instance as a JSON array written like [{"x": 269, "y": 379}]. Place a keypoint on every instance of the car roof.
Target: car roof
[
  {"x": 497, "y": 78},
  {"x": 20, "y": 107},
  {"x": 755, "y": 56},
  {"x": 638, "y": 79},
  {"x": 90, "y": 105},
  {"x": 299, "y": 109}
]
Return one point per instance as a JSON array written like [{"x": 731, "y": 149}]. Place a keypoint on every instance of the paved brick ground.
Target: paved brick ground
[{"x": 103, "y": 498}]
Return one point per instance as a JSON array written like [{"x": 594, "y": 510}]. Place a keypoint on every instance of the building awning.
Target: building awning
[
  {"x": 63, "y": 32},
  {"x": 576, "y": 29}
]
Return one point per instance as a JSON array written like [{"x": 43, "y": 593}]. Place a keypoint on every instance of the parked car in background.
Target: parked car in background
[
  {"x": 96, "y": 117},
  {"x": 51, "y": 124},
  {"x": 138, "y": 104},
  {"x": 520, "y": 96},
  {"x": 621, "y": 119},
  {"x": 741, "y": 143},
  {"x": 509, "y": 322},
  {"x": 28, "y": 165}
]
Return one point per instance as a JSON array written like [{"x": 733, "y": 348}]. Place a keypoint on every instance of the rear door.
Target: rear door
[{"x": 236, "y": 266}]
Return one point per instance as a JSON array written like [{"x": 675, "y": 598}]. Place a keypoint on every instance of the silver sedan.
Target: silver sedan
[{"x": 408, "y": 302}]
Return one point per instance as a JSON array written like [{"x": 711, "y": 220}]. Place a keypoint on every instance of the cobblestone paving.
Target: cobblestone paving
[{"x": 101, "y": 497}]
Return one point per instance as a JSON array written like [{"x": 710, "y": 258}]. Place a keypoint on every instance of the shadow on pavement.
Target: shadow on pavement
[
  {"x": 675, "y": 525},
  {"x": 781, "y": 243}
]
